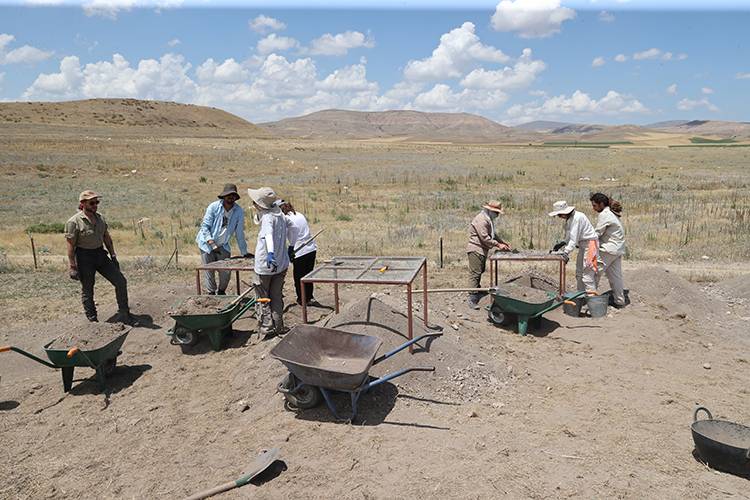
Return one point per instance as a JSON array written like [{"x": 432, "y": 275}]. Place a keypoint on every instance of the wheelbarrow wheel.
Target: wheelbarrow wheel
[
  {"x": 304, "y": 398},
  {"x": 498, "y": 317},
  {"x": 185, "y": 336}
]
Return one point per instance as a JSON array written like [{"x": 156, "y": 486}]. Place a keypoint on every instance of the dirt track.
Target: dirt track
[{"x": 581, "y": 407}]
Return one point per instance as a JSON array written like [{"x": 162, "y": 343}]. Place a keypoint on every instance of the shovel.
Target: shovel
[{"x": 262, "y": 462}]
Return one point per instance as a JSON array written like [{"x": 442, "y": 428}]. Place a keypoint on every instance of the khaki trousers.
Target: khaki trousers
[
  {"x": 477, "y": 265},
  {"x": 613, "y": 271},
  {"x": 270, "y": 286},
  {"x": 586, "y": 277}
]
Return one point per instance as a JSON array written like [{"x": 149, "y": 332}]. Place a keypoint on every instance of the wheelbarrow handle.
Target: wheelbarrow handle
[
  {"x": 28, "y": 355},
  {"x": 395, "y": 374},
  {"x": 404, "y": 346}
]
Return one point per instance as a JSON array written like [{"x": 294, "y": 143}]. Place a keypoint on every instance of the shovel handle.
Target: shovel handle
[
  {"x": 569, "y": 302},
  {"x": 264, "y": 300},
  {"x": 72, "y": 352},
  {"x": 5, "y": 348}
]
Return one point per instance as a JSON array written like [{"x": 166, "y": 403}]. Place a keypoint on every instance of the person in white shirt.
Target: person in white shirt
[
  {"x": 302, "y": 253},
  {"x": 579, "y": 232},
  {"x": 271, "y": 259},
  {"x": 611, "y": 245}
]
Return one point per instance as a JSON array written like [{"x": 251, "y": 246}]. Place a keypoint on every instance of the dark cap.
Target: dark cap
[{"x": 229, "y": 189}]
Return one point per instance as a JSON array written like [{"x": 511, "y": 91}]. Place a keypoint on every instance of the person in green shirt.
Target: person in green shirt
[{"x": 87, "y": 235}]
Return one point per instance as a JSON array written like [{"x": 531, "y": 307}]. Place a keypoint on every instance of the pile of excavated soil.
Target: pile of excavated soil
[
  {"x": 461, "y": 374},
  {"x": 89, "y": 336},
  {"x": 201, "y": 304},
  {"x": 674, "y": 295},
  {"x": 523, "y": 293},
  {"x": 737, "y": 288},
  {"x": 536, "y": 279}
]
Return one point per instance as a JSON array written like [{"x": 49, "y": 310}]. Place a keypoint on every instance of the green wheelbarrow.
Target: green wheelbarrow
[
  {"x": 505, "y": 310},
  {"x": 188, "y": 328},
  {"x": 102, "y": 359}
]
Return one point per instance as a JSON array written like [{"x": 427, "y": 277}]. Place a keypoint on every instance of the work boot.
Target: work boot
[
  {"x": 221, "y": 292},
  {"x": 473, "y": 301},
  {"x": 124, "y": 317},
  {"x": 93, "y": 319}
]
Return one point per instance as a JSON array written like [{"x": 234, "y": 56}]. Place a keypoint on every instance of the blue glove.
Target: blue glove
[{"x": 271, "y": 262}]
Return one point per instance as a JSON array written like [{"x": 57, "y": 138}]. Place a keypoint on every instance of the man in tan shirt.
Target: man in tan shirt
[
  {"x": 87, "y": 235},
  {"x": 482, "y": 239}
]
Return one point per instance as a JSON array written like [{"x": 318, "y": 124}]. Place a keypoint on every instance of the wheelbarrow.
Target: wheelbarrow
[
  {"x": 505, "y": 310},
  {"x": 102, "y": 359},
  {"x": 188, "y": 328},
  {"x": 321, "y": 360}
]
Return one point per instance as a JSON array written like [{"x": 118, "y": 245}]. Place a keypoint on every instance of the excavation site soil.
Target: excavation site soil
[{"x": 580, "y": 407}]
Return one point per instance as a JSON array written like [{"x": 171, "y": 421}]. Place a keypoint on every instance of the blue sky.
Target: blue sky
[{"x": 510, "y": 60}]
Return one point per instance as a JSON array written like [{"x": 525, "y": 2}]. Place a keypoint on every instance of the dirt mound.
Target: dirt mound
[
  {"x": 670, "y": 293},
  {"x": 738, "y": 288},
  {"x": 461, "y": 374},
  {"x": 523, "y": 293},
  {"x": 202, "y": 304},
  {"x": 89, "y": 336},
  {"x": 536, "y": 279}
]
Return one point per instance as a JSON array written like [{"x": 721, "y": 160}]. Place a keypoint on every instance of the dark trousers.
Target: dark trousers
[
  {"x": 89, "y": 263},
  {"x": 302, "y": 266}
]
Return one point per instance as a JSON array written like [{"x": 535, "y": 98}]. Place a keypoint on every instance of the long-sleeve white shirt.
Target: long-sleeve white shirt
[
  {"x": 272, "y": 237},
  {"x": 578, "y": 228},
  {"x": 611, "y": 233},
  {"x": 300, "y": 234}
]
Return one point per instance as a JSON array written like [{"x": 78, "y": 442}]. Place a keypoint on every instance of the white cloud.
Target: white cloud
[
  {"x": 621, "y": 58},
  {"x": 230, "y": 71},
  {"x": 275, "y": 43},
  {"x": 647, "y": 54},
  {"x": 174, "y": 42},
  {"x": 339, "y": 44},
  {"x": 164, "y": 79},
  {"x": 742, "y": 76},
  {"x": 531, "y": 18},
  {"x": 682, "y": 56},
  {"x": 25, "y": 54},
  {"x": 263, "y": 24},
  {"x": 598, "y": 62},
  {"x": 667, "y": 56},
  {"x": 690, "y": 104},
  {"x": 442, "y": 98},
  {"x": 579, "y": 103},
  {"x": 521, "y": 75},
  {"x": 350, "y": 78},
  {"x": 459, "y": 51},
  {"x": 606, "y": 17},
  {"x": 707, "y": 90},
  {"x": 672, "y": 89},
  {"x": 2, "y": 78},
  {"x": 110, "y": 9}
]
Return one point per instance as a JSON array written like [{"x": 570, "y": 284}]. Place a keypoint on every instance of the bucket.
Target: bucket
[
  {"x": 597, "y": 305},
  {"x": 573, "y": 309}
]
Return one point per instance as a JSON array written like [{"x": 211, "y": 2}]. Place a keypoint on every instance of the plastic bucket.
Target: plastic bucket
[
  {"x": 573, "y": 309},
  {"x": 597, "y": 305}
]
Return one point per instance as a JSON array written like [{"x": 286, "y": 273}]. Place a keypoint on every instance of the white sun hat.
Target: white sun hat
[
  {"x": 265, "y": 197},
  {"x": 561, "y": 207}
]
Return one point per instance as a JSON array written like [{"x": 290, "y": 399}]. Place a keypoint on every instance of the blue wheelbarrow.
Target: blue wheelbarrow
[{"x": 321, "y": 360}]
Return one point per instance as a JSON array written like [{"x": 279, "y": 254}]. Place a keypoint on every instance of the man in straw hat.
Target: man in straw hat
[
  {"x": 579, "y": 232},
  {"x": 223, "y": 218},
  {"x": 87, "y": 235},
  {"x": 482, "y": 239},
  {"x": 271, "y": 258}
]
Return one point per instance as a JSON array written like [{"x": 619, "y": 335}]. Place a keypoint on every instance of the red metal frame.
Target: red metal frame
[{"x": 209, "y": 267}]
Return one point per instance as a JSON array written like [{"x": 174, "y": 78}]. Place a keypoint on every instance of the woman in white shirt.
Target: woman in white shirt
[
  {"x": 271, "y": 259},
  {"x": 302, "y": 251},
  {"x": 579, "y": 233}
]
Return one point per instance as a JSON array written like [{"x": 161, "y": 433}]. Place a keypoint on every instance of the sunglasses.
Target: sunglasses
[{"x": 93, "y": 202}]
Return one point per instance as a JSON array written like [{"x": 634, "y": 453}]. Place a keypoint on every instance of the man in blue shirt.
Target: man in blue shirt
[{"x": 223, "y": 219}]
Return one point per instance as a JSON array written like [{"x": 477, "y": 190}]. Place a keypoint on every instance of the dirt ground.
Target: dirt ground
[{"x": 581, "y": 407}]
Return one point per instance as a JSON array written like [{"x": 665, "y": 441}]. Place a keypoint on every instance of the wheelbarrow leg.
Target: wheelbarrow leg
[
  {"x": 67, "y": 376},
  {"x": 523, "y": 324},
  {"x": 329, "y": 403},
  {"x": 101, "y": 378}
]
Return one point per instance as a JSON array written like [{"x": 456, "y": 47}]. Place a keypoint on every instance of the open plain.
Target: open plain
[{"x": 599, "y": 408}]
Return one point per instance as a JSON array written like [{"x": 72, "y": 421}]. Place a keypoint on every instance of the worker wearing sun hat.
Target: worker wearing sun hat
[
  {"x": 581, "y": 233},
  {"x": 271, "y": 258},
  {"x": 87, "y": 234},
  {"x": 482, "y": 239}
]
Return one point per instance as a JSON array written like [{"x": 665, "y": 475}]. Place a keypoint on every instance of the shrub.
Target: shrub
[{"x": 46, "y": 228}]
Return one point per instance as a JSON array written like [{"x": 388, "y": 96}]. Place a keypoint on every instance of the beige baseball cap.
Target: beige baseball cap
[{"x": 88, "y": 195}]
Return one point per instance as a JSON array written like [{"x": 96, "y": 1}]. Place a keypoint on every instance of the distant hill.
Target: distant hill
[
  {"x": 709, "y": 128},
  {"x": 667, "y": 124},
  {"x": 398, "y": 125},
  {"x": 128, "y": 114},
  {"x": 542, "y": 126}
]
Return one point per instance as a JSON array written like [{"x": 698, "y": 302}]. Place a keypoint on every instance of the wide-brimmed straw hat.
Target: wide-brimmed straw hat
[
  {"x": 88, "y": 195},
  {"x": 264, "y": 197},
  {"x": 495, "y": 206},
  {"x": 229, "y": 189},
  {"x": 561, "y": 208}
]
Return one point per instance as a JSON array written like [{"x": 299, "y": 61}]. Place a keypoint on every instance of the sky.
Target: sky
[{"x": 513, "y": 61}]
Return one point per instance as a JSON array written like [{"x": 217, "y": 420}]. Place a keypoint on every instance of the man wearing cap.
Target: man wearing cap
[
  {"x": 611, "y": 244},
  {"x": 223, "y": 218},
  {"x": 87, "y": 235},
  {"x": 579, "y": 232},
  {"x": 271, "y": 258},
  {"x": 482, "y": 239}
]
